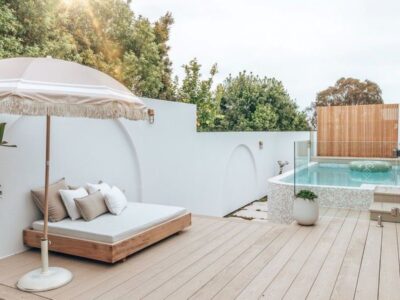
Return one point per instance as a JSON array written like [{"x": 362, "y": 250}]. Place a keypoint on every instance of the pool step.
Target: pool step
[
  {"x": 389, "y": 211},
  {"x": 387, "y": 194}
]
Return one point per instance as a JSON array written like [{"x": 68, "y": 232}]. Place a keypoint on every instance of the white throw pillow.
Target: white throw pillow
[
  {"x": 102, "y": 187},
  {"x": 115, "y": 200},
  {"x": 68, "y": 197}
]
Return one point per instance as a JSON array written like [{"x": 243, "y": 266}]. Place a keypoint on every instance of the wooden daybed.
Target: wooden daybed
[{"x": 110, "y": 238}]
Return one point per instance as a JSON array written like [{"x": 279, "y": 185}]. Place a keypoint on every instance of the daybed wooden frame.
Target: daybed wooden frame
[{"x": 108, "y": 252}]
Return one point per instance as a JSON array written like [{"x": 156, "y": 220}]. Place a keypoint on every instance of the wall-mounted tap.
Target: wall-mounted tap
[{"x": 282, "y": 164}]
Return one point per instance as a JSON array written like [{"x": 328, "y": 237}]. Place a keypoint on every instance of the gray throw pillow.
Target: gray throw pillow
[
  {"x": 91, "y": 206},
  {"x": 57, "y": 210}
]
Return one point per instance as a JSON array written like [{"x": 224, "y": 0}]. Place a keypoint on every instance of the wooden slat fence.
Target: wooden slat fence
[{"x": 358, "y": 130}]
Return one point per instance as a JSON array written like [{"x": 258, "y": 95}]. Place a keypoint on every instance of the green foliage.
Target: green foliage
[
  {"x": 346, "y": 91},
  {"x": 106, "y": 35},
  {"x": 10, "y": 43},
  {"x": 306, "y": 195},
  {"x": 197, "y": 91},
  {"x": 249, "y": 102}
]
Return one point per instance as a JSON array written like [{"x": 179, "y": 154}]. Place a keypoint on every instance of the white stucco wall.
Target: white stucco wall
[{"x": 167, "y": 162}]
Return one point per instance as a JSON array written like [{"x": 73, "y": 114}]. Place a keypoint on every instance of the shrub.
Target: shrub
[{"x": 306, "y": 195}]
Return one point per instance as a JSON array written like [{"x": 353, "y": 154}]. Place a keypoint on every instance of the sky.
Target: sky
[{"x": 306, "y": 44}]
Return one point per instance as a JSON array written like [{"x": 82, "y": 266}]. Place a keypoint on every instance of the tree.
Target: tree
[
  {"x": 161, "y": 32},
  {"x": 249, "y": 102},
  {"x": 10, "y": 44},
  {"x": 142, "y": 64},
  {"x": 104, "y": 34},
  {"x": 197, "y": 91},
  {"x": 346, "y": 91}
]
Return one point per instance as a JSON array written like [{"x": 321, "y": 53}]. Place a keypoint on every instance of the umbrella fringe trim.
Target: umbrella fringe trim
[{"x": 111, "y": 110}]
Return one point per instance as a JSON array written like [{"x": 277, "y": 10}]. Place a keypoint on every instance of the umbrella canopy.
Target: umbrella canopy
[{"x": 47, "y": 86}]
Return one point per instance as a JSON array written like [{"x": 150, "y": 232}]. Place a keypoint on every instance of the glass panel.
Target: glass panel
[
  {"x": 346, "y": 164},
  {"x": 302, "y": 157}
]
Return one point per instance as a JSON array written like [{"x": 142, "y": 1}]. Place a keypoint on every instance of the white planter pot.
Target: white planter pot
[{"x": 305, "y": 212}]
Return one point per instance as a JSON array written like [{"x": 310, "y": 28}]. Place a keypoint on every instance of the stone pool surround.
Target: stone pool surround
[{"x": 281, "y": 197}]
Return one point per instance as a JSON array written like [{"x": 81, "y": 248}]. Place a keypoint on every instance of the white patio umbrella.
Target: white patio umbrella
[{"x": 52, "y": 87}]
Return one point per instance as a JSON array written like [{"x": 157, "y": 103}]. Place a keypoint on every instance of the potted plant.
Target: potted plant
[{"x": 305, "y": 208}]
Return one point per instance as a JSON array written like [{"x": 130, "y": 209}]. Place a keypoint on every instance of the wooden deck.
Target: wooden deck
[{"x": 344, "y": 257}]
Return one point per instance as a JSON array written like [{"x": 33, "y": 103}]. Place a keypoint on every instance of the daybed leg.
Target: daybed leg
[{"x": 123, "y": 260}]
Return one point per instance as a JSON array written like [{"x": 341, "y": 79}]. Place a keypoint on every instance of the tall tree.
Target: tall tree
[
  {"x": 161, "y": 31},
  {"x": 10, "y": 43},
  {"x": 346, "y": 91},
  {"x": 249, "y": 102},
  {"x": 198, "y": 91},
  {"x": 142, "y": 63}
]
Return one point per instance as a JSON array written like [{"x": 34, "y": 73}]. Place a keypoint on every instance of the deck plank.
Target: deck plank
[
  {"x": 199, "y": 280},
  {"x": 211, "y": 259},
  {"x": 17, "y": 260},
  {"x": 340, "y": 258},
  {"x": 216, "y": 283},
  {"x": 368, "y": 279},
  {"x": 245, "y": 276},
  {"x": 77, "y": 267},
  {"x": 8, "y": 293},
  {"x": 217, "y": 247},
  {"x": 398, "y": 239},
  {"x": 309, "y": 272},
  {"x": 347, "y": 279},
  {"x": 257, "y": 285},
  {"x": 283, "y": 280},
  {"x": 147, "y": 279},
  {"x": 389, "y": 280},
  {"x": 325, "y": 282},
  {"x": 104, "y": 281}
]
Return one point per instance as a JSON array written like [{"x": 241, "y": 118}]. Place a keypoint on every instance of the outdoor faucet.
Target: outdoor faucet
[
  {"x": 282, "y": 164},
  {"x": 379, "y": 221},
  {"x": 394, "y": 212}
]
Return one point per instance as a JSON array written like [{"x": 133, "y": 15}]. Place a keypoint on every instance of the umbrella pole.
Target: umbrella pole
[
  {"x": 44, "y": 242},
  {"x": 45, "y": 278}
]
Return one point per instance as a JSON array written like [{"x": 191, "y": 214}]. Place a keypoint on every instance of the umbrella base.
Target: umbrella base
[{"x": 38, "y": 281}]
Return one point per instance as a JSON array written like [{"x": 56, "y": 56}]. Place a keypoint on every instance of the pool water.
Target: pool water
[{"x": 341, "y": 175}]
